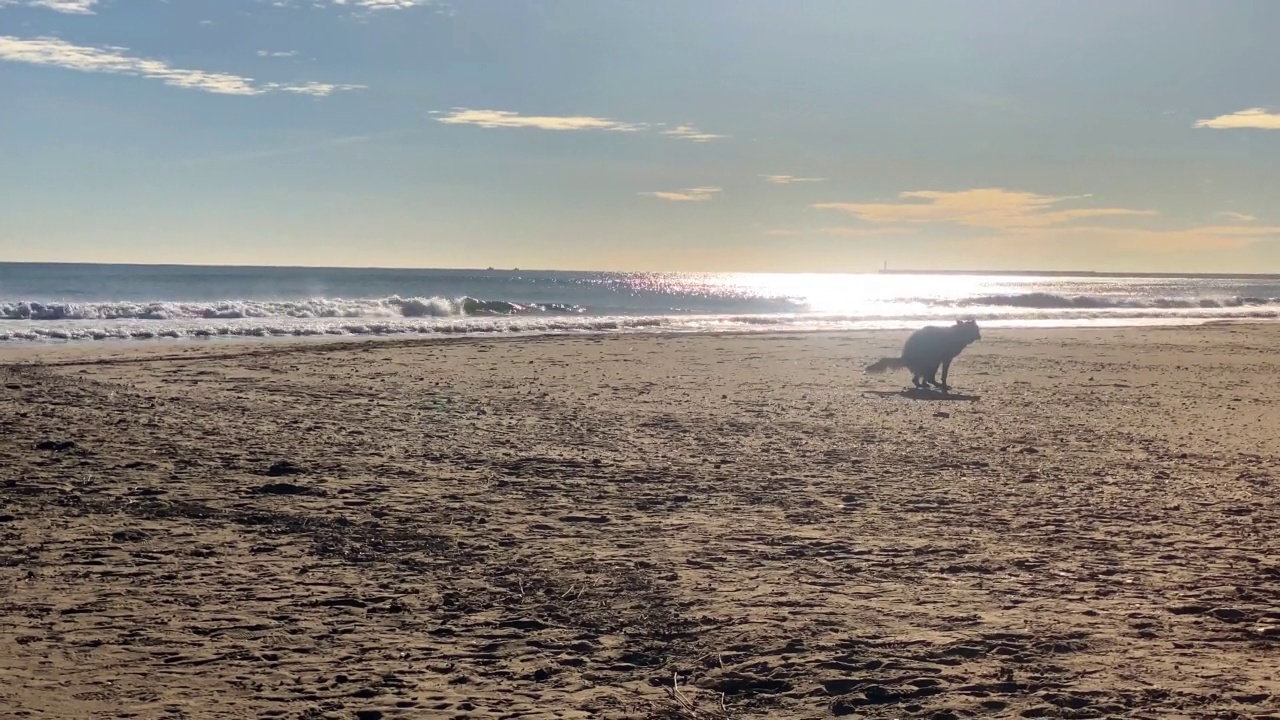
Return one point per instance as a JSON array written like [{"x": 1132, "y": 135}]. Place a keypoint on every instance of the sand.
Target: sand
[{"x": 643, "y": 527}]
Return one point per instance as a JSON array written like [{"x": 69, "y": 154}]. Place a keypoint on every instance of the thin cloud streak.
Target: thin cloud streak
[
  {"x": 1237, "y": 216},
  {"x": 492, "y": 119},
  {"x": 509, "y": 119},
  {"x": 790, "y": 179},
  {"x": 697, "y": 194},
  {"x": 385, "y": 4},
  {"x": 850, "y": 232},
  {"x": 68, "y": 7},
  {"x": 368, "y": 5},
  {"x": 689, "y": 132},
  {"x": 54, "y": 52}
]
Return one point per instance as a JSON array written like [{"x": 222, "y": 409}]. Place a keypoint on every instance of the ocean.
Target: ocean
[{"x": 83, "y": 302}]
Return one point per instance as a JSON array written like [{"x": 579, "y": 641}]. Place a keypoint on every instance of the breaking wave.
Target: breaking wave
[
  {"x": 547, "y": 324},
  {"x": 649, "y": 307},
  {"x": 394, "y": 306},
  {"x": 1049, "y": 301},
  {"x": 442, "y": 307},
  {"x": 300, "y": 328}
]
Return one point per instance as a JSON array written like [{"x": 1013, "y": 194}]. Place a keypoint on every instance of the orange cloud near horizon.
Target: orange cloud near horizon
[
  {"x": 996, "y": 208},
  {"x": 1251, "y": 119},
  {"x": 1026, "y": 217}
]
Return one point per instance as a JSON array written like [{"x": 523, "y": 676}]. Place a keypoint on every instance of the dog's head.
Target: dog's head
[{"x": 968, "y": 330}]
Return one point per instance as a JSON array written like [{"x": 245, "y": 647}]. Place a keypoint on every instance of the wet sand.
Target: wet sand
[{"x": 643, "y": 527}]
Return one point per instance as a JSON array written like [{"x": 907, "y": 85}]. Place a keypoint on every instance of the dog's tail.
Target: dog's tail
[{"x": 884, "y": 364}]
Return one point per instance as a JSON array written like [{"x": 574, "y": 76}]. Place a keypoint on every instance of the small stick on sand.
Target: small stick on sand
[{"x": 680, "y": 697}]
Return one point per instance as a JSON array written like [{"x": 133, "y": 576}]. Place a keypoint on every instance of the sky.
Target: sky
[{"x": 716, "y": 135}]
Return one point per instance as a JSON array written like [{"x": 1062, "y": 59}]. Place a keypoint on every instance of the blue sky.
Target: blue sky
[{"x": 824, "y": 135}]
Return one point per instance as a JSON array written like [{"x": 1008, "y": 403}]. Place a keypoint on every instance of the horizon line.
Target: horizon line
[{"x": 1043, "y": 272}]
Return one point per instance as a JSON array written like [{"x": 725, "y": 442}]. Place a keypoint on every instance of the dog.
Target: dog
[{"x": 927, "y": 349}]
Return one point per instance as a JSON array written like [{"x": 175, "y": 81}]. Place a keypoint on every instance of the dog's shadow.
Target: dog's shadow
[{"x": 915, "y": 393}]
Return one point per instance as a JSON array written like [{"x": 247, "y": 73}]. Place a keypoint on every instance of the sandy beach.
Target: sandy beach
[{"x": 643, "y": 527}]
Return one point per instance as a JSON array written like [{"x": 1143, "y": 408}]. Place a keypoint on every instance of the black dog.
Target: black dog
[{"x": 927, "y": 349}]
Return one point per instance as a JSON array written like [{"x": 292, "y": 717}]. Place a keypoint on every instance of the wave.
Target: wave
[
  {"x": 442, "y": 307},
  {"x": 284, "y": 328},
  {"x": 90, "y": 330},
  {"x": 1049, "y": 301},
  {"x": 394, "y": 306}
]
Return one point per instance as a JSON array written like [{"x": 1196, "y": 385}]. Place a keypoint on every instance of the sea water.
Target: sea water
[{"x": 84, "y": 302}]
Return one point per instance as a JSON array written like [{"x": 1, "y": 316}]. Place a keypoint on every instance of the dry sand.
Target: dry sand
[{"x": 564, "y": 528}]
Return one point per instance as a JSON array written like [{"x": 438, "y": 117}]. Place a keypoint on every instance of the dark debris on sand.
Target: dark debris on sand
[
  {"x": 283, "y": 468},
  {"x": 285, "y": 488}
]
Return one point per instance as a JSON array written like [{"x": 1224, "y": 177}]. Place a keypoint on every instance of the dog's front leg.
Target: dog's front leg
[{"x": 932, "y": 378}]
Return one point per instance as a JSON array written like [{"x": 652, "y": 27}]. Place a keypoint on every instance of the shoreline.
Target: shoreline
[{"x": 161, "y": 349}]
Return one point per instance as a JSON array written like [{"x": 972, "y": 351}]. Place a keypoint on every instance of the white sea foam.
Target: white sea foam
[
  {"x": 1051, "y": 301},
  {"x": 390, "y": 307},
  {"x": 148, "y": 327}
]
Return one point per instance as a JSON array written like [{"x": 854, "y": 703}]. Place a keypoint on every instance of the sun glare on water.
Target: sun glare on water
[{"x": 849, "y": 295}]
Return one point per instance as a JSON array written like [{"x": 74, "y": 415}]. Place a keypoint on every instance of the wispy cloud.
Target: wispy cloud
[
  {"x": 843, "y": 231},
  {"x": 981, "y": 207},
  {"x": 689, "y": 132},
  {"x": 697, "y": 194},
  {"x": 1253, "y": 118},
  {"x": 509, "y": 119},
  {"x": 367, "y": 7},
  {"x": 790, "y": 179},
  {"x": 1237, "y": 216},
  {"x": 384, "y": 4},
  {"x": 54, "y": 52},
  {"x": 315, "y": 89},
  {"x": 70, "y": 7},
  {"x": 1014, "y": 219},
  {"x": 363, "y": 4},
  {"x": 278, "y": 53}
]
